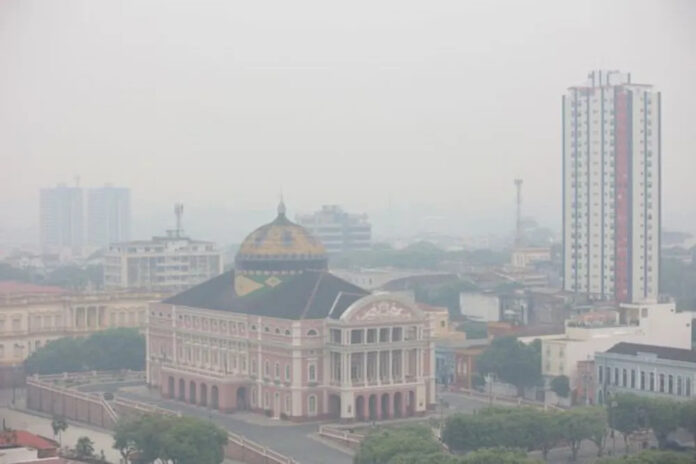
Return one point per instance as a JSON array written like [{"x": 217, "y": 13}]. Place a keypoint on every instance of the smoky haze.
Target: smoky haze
[{"x": 414, "y": 106}]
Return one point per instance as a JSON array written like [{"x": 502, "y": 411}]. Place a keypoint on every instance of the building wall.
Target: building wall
[
  {"x": 287, "y": 368},
  {"x": 643, "y": 375},
  {"x": 480, "y": 306},
  {"x": 611, "y": 189}
]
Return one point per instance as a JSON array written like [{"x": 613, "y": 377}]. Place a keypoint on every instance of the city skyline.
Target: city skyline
[{"x": 433, "y": 105}]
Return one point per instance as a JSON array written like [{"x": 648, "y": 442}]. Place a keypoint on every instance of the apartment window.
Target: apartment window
[
  {"x": 371, "y": 335},
  {"x": 397, "y": 334},
  {"x": 312, "y": 405},
  {"x": 312, "y": 373},
  {"x": 288, "y": 405},
  {"x": 607, "y": 371},
  {"x": 253, "y": 366}
]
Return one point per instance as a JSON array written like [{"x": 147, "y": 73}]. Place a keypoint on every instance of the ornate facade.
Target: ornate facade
[{"x": 283, "y": 336}]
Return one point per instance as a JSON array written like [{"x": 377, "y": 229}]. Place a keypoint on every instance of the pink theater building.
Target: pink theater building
[{"x": 281, "y": 335}]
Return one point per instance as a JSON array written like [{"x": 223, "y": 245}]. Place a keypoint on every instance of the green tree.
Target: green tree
[
  {"x": 84, "y": 447},
  {"x": 561, "y": 386},
  {"x": 192, "y": 441},
  {"x": 663, "y": 418},
  {"x": 383, "y": 445},
  {"x": 627, "y": 415},
  {"x": 59, "y": 425},
  {"x": 576, "y": 425},
  {"x": 687, "y": 417},
  {"x": 110, "y": 349},
  {"x": 597, "y": 418},
  {"x": 650, "y": 457},
  {"x": 511, "y": 361},
  {"x": 498, "y": 456},
  {"x": 178, "y": 440}
]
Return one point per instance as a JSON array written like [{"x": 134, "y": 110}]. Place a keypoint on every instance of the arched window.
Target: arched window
[
  {"x": 287, "y": 332},
  {"x": 312, "y": 373},
  {"x": 277, "y": 370},
  {"x": 266, "y": 368},
  {"x": 312, "y": 333},
  {"x": 312, "y": 405}
]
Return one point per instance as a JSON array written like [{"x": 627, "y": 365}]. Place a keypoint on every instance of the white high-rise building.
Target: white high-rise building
[
  {"x": 611, "y": 188},
  {"x": 108, "y": 215},
  {"x": 338, "y": 230},
  {"x": 61, "y": 224}
]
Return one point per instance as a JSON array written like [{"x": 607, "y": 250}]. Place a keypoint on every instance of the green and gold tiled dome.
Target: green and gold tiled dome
[{"x": 273, "y": 251}]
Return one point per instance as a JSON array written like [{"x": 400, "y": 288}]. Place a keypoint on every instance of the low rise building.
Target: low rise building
[
  {"x": 169, "y": 263},
  {"x": 657, "y": 324},
  {"x": 32, "y": 315},
  {"x": 646, "y": 370},
  {"x": 526, "y": 257}
]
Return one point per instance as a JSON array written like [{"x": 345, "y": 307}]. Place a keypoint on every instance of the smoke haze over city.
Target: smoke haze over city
[{"x": 414, "y": 107}]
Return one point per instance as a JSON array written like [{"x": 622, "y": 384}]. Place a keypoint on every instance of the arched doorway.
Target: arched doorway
[
  {"x": 385, "y": 405},
  {"x": 242, "y": 403},
  {"x": 411, "y": 403},
  {"x": 214, "y": 397},
  {"x": 335, "y": 406},
  {"x": 192, "y": 392},
  {"x": 170, "y": 387},
  {"x": 182, "y": 390},
  {"x": 398, "y": 403},
  {"x": 360, "y": 408},
  {"x": 372, "y": 405},
  {"x": 204, "y": 394}
]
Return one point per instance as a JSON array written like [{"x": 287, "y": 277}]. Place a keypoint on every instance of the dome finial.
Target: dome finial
[{"x": 281, "y": 206}]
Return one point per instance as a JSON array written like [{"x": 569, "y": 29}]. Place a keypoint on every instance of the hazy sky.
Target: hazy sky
[{"x": 221, "y": 104}]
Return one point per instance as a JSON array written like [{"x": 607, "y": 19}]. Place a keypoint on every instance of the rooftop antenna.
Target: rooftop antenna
[
  {"x": 518, "y": 217},
  {"x": 179, "y": 212}
]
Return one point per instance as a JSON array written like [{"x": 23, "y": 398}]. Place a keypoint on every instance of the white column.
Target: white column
[
  {"x": 391, "y": 363},
  {"x": 379, "y": 373},
  {"x": 365, "y": 367}
]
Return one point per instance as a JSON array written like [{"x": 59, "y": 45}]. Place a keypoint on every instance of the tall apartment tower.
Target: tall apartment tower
[
  {"x": 61, "y": 224},
  {"x": 611, "y": 188},
  {"x": 108, "y": 215}
]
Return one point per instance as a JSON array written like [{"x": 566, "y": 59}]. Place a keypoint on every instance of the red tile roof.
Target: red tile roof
[
  {"x": 15, "y": 438},
  {"x": 11, "y": 287}
]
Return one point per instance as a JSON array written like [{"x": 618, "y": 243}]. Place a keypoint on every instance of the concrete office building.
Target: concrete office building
[
  {"x": 61, "y": 219},
  {"x": 108, "y": 215},
  {"x": 611, "y": 188},
  {"x": 338, "y": 231}
]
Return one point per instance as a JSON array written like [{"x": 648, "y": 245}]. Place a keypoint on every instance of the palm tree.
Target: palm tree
[{"x": 58, "y": 424}]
